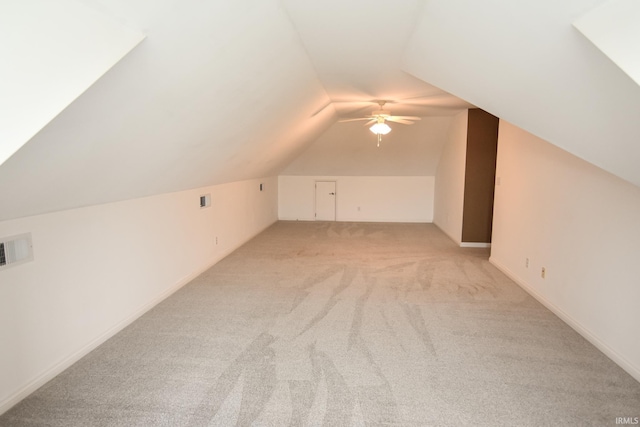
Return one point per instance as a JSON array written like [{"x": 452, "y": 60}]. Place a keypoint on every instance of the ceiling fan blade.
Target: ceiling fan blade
[
  {"x": 401, "y": 121},
  {"x": 404, "y": 117},
  {"x": 353, "y": 120},
  {"x": 370, "y": 122}
]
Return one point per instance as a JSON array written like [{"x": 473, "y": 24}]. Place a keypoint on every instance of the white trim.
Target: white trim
[
  {"x": 59, "y": 367},
  {"x": 389, "y": 220},
  {"x": 474, "y": 245},
  {"x": 629, "y": 367},
  {"x": 372, "y": 220}
]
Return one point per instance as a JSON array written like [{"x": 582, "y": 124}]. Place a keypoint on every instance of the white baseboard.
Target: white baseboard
[
  {"x": 620, "y": 360},
  {"x": 296, "y": 219},
  {"x": 474, "y": 245},
  {"x": 391, "y": 220},
  {"x": 59, "y": 367},
  {"x": 373, "y": 220}
]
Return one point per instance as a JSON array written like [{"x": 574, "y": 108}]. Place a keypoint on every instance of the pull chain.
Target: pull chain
[{"x": 379, "y": 139}]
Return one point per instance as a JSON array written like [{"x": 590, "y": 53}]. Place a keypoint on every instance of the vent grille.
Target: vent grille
[
  {"x": 15, "y": 250},
  {"x": 205, "y": 200}
]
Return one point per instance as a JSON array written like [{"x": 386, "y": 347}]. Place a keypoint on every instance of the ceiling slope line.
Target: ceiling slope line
[
  {"x": 70, "y": 46},
  {"x": 613, "y": 28}
]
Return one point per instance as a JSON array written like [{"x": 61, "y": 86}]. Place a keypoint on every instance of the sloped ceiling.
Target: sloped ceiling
[
  {"x": 356, "y": 48},
  {"x": 526, "y": 63},
  {"x": 69, "y": 46},
  {"x": 218, "y": 92},
  {"x": 222, "y": 91}
]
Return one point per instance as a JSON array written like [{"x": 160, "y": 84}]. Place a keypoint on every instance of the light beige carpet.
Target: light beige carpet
[{"x": 342, "y": 324}]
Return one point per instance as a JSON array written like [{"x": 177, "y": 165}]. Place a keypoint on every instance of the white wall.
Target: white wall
[
  {"x": 390, "y": 183},
  {"x": 583, "y": 225},
  {"x": 449, "y": 179},
  {"x": 98, "y": 268},
  {"x": 349, "y": 149},
  {"x": 380, "y": 198}
]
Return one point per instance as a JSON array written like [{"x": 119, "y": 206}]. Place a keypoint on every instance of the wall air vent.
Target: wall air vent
[
  {"x": 15, "y": 250},
  {"x": 205, "y": 200}
]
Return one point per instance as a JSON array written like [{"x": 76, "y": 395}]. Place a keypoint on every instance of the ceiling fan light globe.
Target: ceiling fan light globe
[{"x": 380, "y": 129}]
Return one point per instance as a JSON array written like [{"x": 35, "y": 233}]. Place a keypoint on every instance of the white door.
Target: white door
[{"x": 325, "y": 200}]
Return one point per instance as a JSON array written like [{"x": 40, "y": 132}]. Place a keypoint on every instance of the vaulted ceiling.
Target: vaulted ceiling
[{"x": 223, "y": 91}]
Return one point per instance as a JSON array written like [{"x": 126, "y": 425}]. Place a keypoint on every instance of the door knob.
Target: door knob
[{"x": 332, "y": 194}]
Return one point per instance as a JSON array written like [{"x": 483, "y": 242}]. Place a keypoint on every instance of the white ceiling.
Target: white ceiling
[
  {"x": 217, "y": 92},
  {"x": 526, "y": 63},
  {"x": 222, "y": 91},
  {"x": 356, "y": 48},
  {"x": 75, "y": 44},
  {"x": 614, "y": 28}
]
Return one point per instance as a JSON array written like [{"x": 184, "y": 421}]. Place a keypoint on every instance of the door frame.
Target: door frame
[{"x": 315, "y": 199}]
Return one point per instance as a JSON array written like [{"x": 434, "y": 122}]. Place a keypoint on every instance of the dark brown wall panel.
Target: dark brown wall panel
[{"x": 480, "y": 174}]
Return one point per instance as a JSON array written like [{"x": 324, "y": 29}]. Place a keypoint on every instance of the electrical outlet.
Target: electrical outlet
[
  {"x": 543, "y": 273},
  {"x": 216, "y": 240},
  {"x": 526, "y": 262}
]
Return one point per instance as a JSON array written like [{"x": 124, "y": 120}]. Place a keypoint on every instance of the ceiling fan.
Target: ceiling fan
[{"x": 378, "y": 119}]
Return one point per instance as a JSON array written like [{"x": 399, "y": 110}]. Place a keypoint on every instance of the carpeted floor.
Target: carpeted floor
[{"x": 342, "y": 324}]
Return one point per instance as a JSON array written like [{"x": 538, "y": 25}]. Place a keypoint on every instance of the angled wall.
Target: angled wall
[
  {"x": 525, "y": 62},
  {"x": 449, "y": 179},
  {"x": 578, "y": 222}
]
